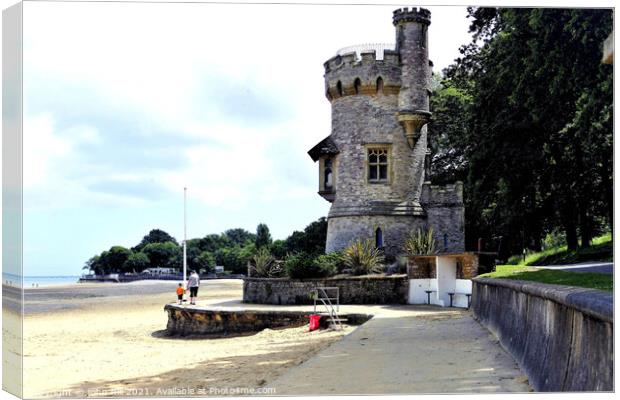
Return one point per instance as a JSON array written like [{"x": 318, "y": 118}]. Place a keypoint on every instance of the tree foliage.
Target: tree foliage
[
  {"x": 155, "y": 236},
  {"x": 524, "y": 117},
  {"x": 263, "y": 237}
]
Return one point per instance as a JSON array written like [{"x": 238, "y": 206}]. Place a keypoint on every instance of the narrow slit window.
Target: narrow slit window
[
  {"x": 357, "y": 85},
  {"x": 379, "y": 85},
  {"x": 379, "y": 238},
  {"x": 339, "y": 88}
]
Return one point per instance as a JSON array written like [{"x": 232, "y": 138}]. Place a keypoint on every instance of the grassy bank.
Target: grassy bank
[
  {"x": 601, "y": 250},
  {"x": 579, "y": 279}
]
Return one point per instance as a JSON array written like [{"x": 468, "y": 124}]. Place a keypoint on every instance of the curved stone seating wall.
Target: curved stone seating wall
[
  {"x": 184, "y": 321},
  {"x": 561, "y": 336},
  {"x": 370, "y": 289}
]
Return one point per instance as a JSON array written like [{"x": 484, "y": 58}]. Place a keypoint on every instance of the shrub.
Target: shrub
[
  {"x": 420, "y": 241},
  {"x": 264, "y": 265},
  {"x": 362, "y": 257},
  {"x": 330, "y": 264},
  {"x": 304, "y": 266}
]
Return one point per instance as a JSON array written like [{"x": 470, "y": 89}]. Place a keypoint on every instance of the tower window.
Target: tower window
[
  {"x": 378, "y": 164},
  {"x": 357, "y": 85},
  {"x": 339, "y": 88},
  {"x": 379, "y": 238},
  {"x": 328, "y": 175},
  {"x": 379, "y": 85}
]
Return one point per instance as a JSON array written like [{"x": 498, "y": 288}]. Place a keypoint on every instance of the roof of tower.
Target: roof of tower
[
  {"x": 325, "y": 146},
  {"x": 421, "y": 15}
]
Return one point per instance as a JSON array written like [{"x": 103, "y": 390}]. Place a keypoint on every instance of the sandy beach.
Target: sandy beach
[{"x": 107, "y": 340}]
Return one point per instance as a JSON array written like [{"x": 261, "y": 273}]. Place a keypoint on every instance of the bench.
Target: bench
[{"x": 452, "y": 294}]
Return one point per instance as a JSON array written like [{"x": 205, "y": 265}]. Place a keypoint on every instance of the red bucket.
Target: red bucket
[{"x": 314, "y": 322}]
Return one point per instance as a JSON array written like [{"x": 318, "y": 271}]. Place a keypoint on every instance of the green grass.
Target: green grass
[
  {"x": 600, "y": 250},
  {"x": 579, "y": 279}
]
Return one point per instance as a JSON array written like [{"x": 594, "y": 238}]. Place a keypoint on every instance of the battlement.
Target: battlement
[
  {"x": 442, "y": 195},
  {"x": 366, "y": 54},
  {"x": 403, "y": 15},
  {"x": 362, "y": 70}
]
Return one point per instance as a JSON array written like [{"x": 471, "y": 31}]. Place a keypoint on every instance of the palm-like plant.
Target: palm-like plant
[
  {"x": 264, "y": 265},
  {"x": 420, "y": 241},
  {"x": 363, "y": 257}
]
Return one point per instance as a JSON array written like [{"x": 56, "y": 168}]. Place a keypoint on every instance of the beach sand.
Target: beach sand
[{"x": 100, "y": 345}]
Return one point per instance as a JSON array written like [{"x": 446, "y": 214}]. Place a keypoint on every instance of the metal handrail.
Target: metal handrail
[{"x": 379, "y": 48}]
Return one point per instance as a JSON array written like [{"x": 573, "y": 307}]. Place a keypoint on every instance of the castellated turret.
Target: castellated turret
[{"x": 372, "y": 165}]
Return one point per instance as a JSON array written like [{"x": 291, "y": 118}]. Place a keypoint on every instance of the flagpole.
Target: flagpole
[{"x": 184, "y": 234}]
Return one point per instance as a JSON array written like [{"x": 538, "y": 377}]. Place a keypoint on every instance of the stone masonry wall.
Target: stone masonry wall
[
  {"x": 353, "y": 290},
  {"x": 342, "y": 231},
  {"x": 446, "y": 215},
  {"x": 561, "y": 336}
]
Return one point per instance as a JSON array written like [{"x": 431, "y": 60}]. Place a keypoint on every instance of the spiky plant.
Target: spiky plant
[
  {"x": 420, "y": 241},
  {"x": 264, "y": 265},
  {"x": 362, "y": 257}
]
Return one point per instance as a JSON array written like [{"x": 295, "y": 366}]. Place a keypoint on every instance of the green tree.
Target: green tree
[
  {"x": 136, "y": 262},
  {"x": 278, "y": 248},
  {"x": 162, "y": 254},
  {"x": 115, "y": 258},
  {"x": 263, "y": 237},
  {"x": 205, "y": 261},
  {"x": 240, "y": 236},
  {"x": 155, "y": 236},
  {"x": 537, "y": 125},
  {"x": 311, "y": 240}
]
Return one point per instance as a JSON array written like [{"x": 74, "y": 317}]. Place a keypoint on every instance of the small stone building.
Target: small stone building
[{"x": 373, "y": 167}]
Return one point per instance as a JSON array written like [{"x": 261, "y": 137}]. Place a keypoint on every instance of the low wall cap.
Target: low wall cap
[{"x": 593, "y": 302}]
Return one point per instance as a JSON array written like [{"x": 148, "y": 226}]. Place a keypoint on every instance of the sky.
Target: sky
[{"x": 127, "y": 103}]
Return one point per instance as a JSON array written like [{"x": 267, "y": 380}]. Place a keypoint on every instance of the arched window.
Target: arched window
[
  {"x": 379, "y": 238},
  {"x": 357, "y": 85},
  {"x": 328, "y": 175},
  {"x": 379, "y": 85},
  {"x": 339, "y": 88}
]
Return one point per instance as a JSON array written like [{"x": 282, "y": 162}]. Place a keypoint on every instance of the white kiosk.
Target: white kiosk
[{"x": 441, "y": 279}]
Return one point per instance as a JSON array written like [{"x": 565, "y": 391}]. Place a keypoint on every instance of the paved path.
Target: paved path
[
  {"x": 408, "y": 350},
  {"x": 598, "y": 267}
]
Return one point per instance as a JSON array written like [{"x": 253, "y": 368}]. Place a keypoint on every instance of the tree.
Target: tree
[
  {"x": 240, "y": 236},
  {"x": 537, "y": 125},
  {"x": 136, "y": 262},
  {"x": 235, "y": 258},
  {"x": 263, "y": 237},
  {"x": 213, "y": 242},
  {"x": 94, "y": 265},
  {"x": 205, "y": 261},
  {"x": 155, "y": 236},
  {"x": 162, "y": 254},
  {"x": 278, "y": 248},
  {"x": 311, "y": 240}
]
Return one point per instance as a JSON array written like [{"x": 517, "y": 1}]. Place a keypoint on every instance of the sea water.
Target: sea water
[{"x": 39, "y": 281}]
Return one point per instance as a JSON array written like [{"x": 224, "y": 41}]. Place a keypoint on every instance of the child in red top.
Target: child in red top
[{"x": 180, "y": 292}]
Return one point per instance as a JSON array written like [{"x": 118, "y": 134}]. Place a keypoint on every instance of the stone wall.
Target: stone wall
[
  {"x": 446, "y": 215},
  {"x": 561, "y": 336},
  {"x": 392, "y": 289},
  {"x": 344, "y": 230},
  {"x": 183, "y": 321},
  {"x": 425, "y": 267}
]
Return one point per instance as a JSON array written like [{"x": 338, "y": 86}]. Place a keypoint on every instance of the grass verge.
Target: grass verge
[
  {"x": 601, "y": 250},
  {"x": 579, "y": 279}
]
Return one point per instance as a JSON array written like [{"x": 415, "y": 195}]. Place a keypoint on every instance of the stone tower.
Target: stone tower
[{"x": 372, "y": 166}]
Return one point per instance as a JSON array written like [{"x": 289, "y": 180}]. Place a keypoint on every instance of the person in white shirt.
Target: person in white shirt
[{"x": 193, "y": 283}]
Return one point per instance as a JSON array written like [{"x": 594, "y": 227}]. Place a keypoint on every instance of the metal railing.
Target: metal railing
[{"x": 379, "y": 48}]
